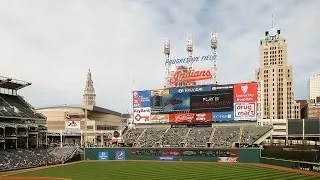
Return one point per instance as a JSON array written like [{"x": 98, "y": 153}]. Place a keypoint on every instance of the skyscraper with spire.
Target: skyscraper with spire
[{"x": 89, "y": 95}]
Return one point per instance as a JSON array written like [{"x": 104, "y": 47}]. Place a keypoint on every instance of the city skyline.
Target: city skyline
[{"x": 52, "y": 44}]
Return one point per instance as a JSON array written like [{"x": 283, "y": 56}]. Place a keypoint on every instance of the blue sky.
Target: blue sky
[{"x": 53, "y": 43}]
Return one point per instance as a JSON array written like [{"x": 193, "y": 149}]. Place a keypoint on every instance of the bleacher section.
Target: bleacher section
[
  {"x": 16, "y": 106},
  {"x": 218, "y": 136}
]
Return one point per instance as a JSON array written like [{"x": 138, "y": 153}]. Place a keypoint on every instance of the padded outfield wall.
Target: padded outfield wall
[{"x": 174, "y": 154}]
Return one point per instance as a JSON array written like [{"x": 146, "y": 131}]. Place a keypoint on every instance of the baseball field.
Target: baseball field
[{"x": 152, "y": 170}]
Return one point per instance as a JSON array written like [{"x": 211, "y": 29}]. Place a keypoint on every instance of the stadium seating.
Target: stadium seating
[
  {"x": 23, "y": 158},
  {"x": 174, "y": 137},
  {"x": 218, "y": 137},
  {"x": 199, "y": 136},
  {"x": 224, "y": 136},
  {"x": 251, "y": 133},
  {"x": 16, "y": 106},
  {"x": 151, "y": 137},
  {"x": 132, "y": 135}
]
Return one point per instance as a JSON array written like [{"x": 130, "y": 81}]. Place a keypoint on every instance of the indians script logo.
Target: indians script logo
[
  {"x": 190, "y": 76},
  {"x": 244, "y": 88}
]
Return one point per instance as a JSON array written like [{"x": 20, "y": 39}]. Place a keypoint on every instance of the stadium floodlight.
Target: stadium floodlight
[
  {"x": 166, "y": 47},
  {"x": 214, "y": 40},
  {"x": 189, "y": 45}
]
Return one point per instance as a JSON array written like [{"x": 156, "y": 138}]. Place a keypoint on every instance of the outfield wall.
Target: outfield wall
[{"x": 174, "y": 154}]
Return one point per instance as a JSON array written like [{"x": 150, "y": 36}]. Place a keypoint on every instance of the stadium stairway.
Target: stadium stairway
[
  {"x": 264, "y": 137},
  {"x": 137, "y": 140}
]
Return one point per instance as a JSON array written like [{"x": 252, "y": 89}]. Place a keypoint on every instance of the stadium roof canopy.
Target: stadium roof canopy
[
  {"x": 14, "y": 84},
  {"x": 89, "y": 108}
]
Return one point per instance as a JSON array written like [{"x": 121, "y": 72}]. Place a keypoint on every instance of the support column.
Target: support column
[
  {"x": 102, "y": 140},
  {"x": 37, "y": 140},
  {"x": 28, "y": 142},
  {"x": 61, "y": 139},
  {"x": 46, "y": 140},
  {"x": 81, "y": 140}
]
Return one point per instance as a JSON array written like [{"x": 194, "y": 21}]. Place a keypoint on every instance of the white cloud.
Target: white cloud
[{"x": 53, "y": 43}]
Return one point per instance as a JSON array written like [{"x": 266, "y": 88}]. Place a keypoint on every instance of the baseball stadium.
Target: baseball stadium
[{"x": 191, "y": 128}]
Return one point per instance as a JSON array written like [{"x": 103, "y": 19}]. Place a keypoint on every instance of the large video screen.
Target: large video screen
[
  {"x": 215, "y": 101},
  {"x": 175, "y": 102}
]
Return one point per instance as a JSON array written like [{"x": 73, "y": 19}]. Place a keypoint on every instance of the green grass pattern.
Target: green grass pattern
[{"x": 135, "y": 170}]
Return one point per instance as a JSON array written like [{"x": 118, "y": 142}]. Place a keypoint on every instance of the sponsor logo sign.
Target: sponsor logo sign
[
  {"x": 203, "y": 118},
  {"x": 190, "y": 118},
  {"x": 200, "y": 88},
  {"x": 141, "y": 115},
  {"x": 72, "y": 125},
  {"x": 245, "y": 111},
  {"x": 69, "y": 115},
  {"x": 159, "y": 118},
  {"x": 214, "y": 101},
  {"x": 120, "y": 155},
  {"x": 189, "y": 76},
  {"x": 141, "y": 99},
  {"x": 245, "y": 92},
  {"x": 175, "y": 102},
  {"x": 223, "y": 116},
  {"x": 227, "y": 159},
  {"x": 167, "y": 158},
  {"x": 103, "y": 156},
  {"x": 191, "y": 59}
]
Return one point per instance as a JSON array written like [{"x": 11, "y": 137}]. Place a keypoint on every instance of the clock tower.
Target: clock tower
[
  {"x": 89, "y": 95},
  {"x": 275, "y": 79}
]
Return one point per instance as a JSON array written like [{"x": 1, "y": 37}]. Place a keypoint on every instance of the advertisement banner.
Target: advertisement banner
[
  {"x": 200, "y": 88},
  {"x": 103, "y": 156},
  {"x": 227, "y": 159},
  {"x": 245, "y": 111},
  {"x": 141, "y": 115},
  {"x": 141, "y": 99},
  {"x": 120, "y": 155},
  {"x": 190, "y": 118},
  {"x": 159, "y": 118},
  {"x": 72, "y": 125},
  {"x": 223, "y": 116},
  {"x": 189, "y": 76},
  {"x": 215, "y": 101},
  {"x": 245, "y": 92},
  {"x": 175, "y": 102},
  {"x": 203, "y": 118},
  {"x": 166, "y": 158}
]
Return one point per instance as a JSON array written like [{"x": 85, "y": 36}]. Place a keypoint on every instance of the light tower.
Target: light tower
[
  {"x": 189, "y": 48},
  {"x": 166, "y": 50},
  {"x": 214, "y": 45}
]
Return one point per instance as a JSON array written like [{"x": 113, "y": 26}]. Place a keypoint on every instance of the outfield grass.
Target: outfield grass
[{"x": 134, "y": 170}]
